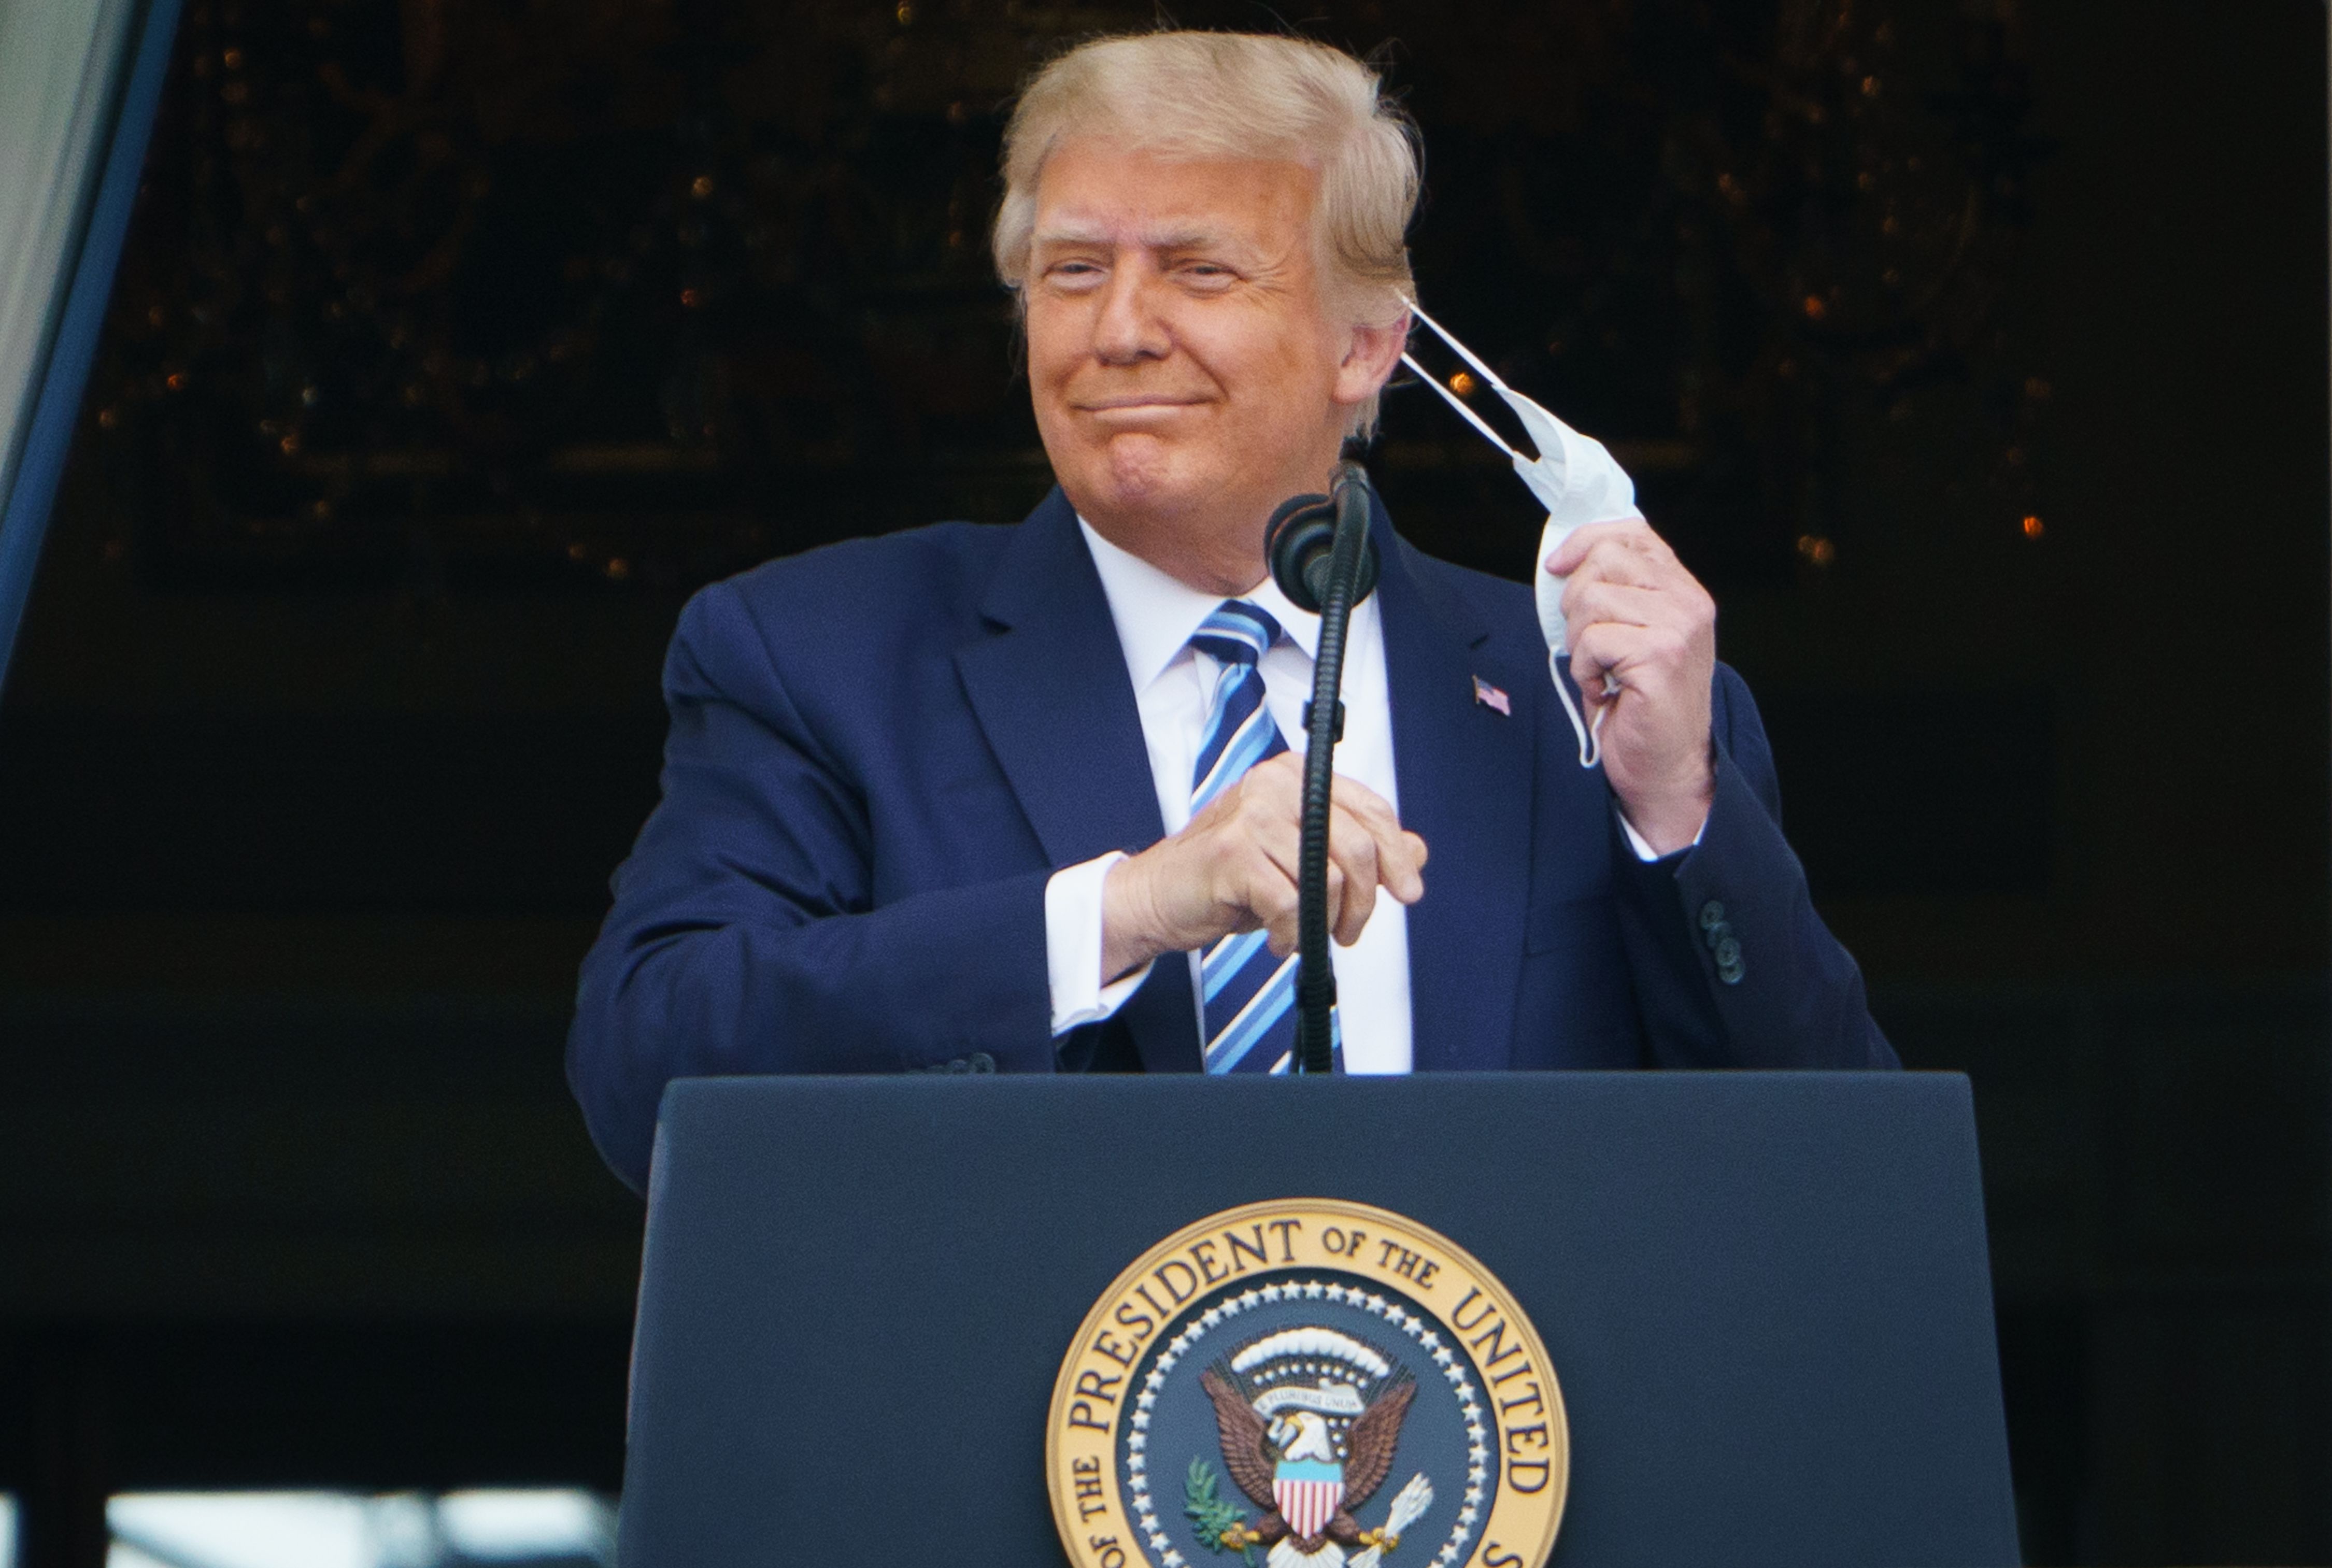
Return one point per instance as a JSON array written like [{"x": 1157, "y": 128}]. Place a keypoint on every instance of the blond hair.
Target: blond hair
[{"x": 1237, "y": 95}]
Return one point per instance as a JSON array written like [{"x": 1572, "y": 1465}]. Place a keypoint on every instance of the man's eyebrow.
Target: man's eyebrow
[
  {"x": 1194, "y": 239},
  {"x": 1179, "y": 239},
  {"x": 1072, "y": 234}
]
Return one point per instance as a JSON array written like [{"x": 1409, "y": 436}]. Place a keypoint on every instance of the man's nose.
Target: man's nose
[{"x": 1129, "y": 329}]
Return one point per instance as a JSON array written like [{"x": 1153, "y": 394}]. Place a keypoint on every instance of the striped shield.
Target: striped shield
[{"x": 1308, "y": 1493}]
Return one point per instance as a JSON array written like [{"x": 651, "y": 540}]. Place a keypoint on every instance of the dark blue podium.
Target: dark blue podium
[{"x": 1766, "y": 1297}]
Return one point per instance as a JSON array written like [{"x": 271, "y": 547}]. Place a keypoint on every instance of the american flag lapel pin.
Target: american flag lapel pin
[{"x": 1489, "y": 696}]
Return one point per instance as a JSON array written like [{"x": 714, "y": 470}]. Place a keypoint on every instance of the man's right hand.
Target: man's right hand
[{"x": 1234, "y": 868}]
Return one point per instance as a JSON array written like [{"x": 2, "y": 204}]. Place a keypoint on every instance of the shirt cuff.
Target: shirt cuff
[
  {"x": 1635, "y": 841},
  {"x": 1073, "y": 916}
]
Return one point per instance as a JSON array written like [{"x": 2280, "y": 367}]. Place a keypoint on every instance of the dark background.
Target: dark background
[{"x": 1973, "y": 350}]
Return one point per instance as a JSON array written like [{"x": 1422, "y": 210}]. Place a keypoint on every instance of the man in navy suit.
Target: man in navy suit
[{"x": 1023, "y": 799}]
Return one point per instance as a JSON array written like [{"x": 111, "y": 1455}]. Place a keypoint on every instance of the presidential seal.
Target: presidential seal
[{"x": 1307, "y": 1385}]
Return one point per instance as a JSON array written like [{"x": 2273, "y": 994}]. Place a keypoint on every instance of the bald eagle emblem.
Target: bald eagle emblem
[{"x": 1309, "y": 1419}]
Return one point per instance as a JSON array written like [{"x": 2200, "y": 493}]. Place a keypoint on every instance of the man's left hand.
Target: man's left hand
[{"x": 1639, "y": 618}]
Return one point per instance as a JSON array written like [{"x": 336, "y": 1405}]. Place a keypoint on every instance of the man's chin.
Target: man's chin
[{"x": 1143, "y": 473}]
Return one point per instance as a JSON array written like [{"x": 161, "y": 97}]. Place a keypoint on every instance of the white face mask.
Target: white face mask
[{"x": 1577, "y": 481}]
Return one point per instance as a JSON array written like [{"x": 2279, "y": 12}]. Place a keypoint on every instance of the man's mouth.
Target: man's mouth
[{"x": 1134, "y": 402}]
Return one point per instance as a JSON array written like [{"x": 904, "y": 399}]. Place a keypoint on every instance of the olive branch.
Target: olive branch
[{"x": 1210, "y": 1515}]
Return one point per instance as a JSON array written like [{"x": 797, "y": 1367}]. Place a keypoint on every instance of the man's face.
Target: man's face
[{"x": 1185, "y": 375}]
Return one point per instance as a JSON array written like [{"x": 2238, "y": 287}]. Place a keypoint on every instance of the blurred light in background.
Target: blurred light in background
[
  {"x": 7, "y": 1531},
  {"x": 507, "y": 1529}
]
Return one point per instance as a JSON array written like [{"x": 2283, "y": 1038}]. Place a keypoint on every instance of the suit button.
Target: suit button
[
  {"x": 1730, "y": 973},
  {"x": 1728, "y": 954},
  {"x": 981, "y": 1062},
  {"x": 1722, "y": 932},
  {"x": 957, "y": 1064},
  {"x": 1712, "y": 915}
]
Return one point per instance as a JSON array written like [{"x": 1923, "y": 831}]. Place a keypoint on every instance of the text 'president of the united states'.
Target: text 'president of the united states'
[{"x": 1026, "y": 798}]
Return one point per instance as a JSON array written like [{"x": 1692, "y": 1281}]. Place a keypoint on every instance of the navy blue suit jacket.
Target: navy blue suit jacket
[{"x": 881, "y": 751}]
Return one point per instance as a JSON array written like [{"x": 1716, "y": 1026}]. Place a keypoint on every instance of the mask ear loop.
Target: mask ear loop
[
  {"x": 1591, "y": 737},
  {"x": 1468, "y": 355},
  {"x": 1475, "y": 420}
]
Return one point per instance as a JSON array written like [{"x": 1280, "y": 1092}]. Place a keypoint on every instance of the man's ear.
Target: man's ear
[{"x": 1370, "y": 355}]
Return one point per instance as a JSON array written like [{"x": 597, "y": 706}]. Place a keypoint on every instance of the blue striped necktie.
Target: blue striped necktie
[{"x": 1250, "y": 995}]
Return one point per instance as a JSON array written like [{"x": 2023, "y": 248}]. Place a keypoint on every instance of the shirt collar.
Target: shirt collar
[{"x": 1156, "y": 613}]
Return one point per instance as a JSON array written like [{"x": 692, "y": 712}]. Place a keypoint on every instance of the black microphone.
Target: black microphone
[
  {"x": 1322, "y": 560},
  {"x": 1302, "y": 535}
]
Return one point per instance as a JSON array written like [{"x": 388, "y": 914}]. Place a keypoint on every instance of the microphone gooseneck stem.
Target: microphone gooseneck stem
[{"x": 1315, "y": 979}]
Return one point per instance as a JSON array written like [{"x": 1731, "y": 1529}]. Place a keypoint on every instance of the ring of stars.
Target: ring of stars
[{"x": 1415, "y": 1326}]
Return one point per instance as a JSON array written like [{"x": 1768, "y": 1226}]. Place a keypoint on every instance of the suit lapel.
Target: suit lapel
[
  {"x": 1464, "y": 773},
  {"x": 1049, "y": 688}
]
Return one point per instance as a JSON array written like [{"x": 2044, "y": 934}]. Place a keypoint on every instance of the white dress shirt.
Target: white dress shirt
[{"x": 1173, "y": 689}]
